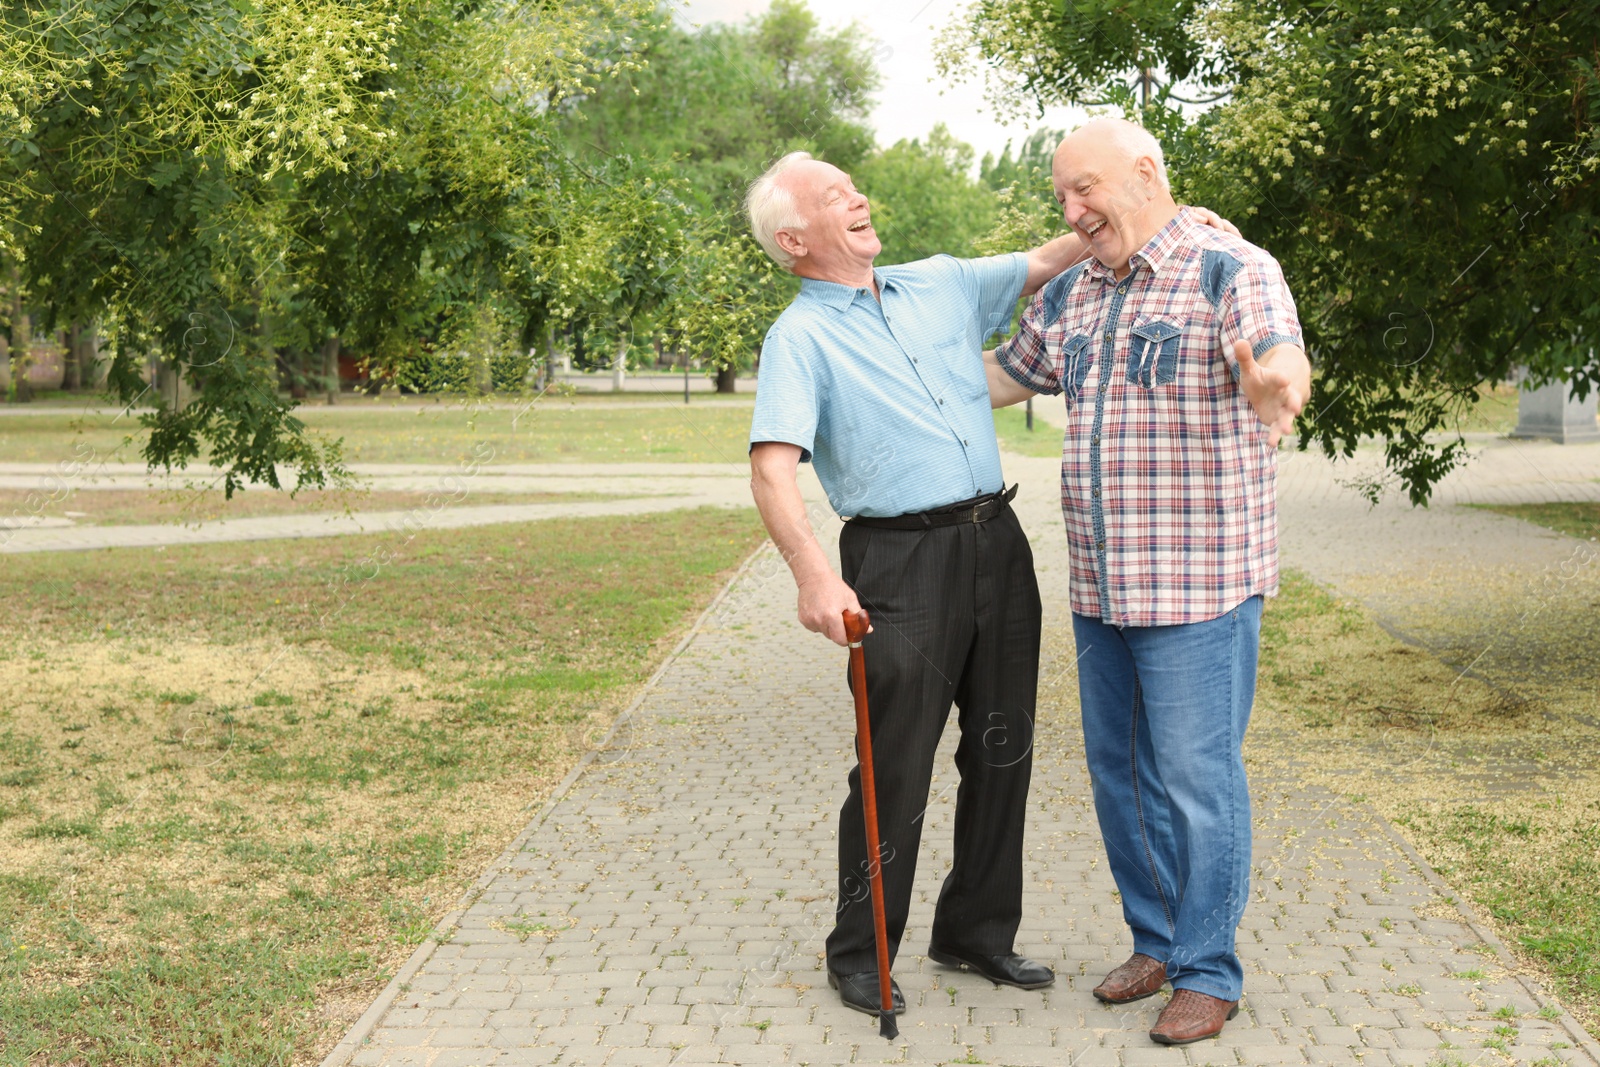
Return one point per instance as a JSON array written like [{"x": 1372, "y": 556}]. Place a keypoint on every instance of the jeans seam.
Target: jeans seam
[{"x": 1138, "y": 807}]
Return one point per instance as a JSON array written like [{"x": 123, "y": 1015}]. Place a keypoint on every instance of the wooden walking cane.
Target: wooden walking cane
[{"x": 855, "y": 628}]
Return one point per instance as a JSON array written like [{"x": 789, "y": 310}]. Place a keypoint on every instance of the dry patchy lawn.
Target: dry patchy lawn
[
  {"x": 1495, "y": 782},
  {"x": 239, "y": 782}
]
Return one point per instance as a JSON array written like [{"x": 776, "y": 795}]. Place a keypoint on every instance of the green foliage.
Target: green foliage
[
  {"x": 1425, "y": 171},
  {"x": 236, "y": 191},
  {"x": 924, "y": 199},
  {"x": 1026, "y": 213},
  {"x": 1045, "y": 51},
  {"x": 732, "y": 293},
  {"x": 705, "y": 114},
  {"x": 228, "y": 186},
  {"x": 723, "y": 102}
]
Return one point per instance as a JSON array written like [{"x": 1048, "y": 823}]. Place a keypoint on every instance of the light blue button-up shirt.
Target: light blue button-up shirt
[{"x": 890, "y": 400}]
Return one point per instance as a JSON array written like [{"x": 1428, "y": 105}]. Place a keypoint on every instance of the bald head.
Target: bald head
[
  {"x": 1111, "y": 182},
  {"x": 1129, "y": 140}
]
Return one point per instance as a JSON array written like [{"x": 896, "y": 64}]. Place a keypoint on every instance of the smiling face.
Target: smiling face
[
  {"x": 837, "y": 242},
  {"x": 1112, "y": 199}
]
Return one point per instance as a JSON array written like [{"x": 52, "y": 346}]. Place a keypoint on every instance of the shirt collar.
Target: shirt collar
[
  {"x": 1158, "y": 249},
  {"x": 839, "y": 296}
]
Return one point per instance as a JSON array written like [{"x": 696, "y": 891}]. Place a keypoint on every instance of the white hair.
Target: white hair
[
  {"x": 772, "y": 207},
  {"x": 1133, "y": 140}
]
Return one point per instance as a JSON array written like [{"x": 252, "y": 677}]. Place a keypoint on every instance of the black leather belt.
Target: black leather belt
[{"x": 978, "y": 509}]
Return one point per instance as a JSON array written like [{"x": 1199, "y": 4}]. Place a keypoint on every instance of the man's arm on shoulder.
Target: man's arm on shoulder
[
  {"x": 1023, "y": 364},
  {"x": 1004, "y": 390},
  {"x": 1051, "y": 258},
  {"x": 823, "y": 595}
]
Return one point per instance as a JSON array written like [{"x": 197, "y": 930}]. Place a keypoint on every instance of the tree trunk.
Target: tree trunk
[
  {"x": 619, "y": 366},
  {"x": 549, "y": 357},
  {"x": 330, "y": 367},
  {"x": 79, "y": 363},
  {"x": 726, "y": 377},
  {"x": 21, "y": 339},
  {"x": 72, "y": 362},
  {"x": 170, "y": 386},
  {"x": 5, "y": 367},
  {"x": 96, "y": 368},
  {"x": 22, "y": 351}
]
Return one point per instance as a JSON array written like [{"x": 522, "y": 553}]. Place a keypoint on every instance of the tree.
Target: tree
[
  {"x": 1026, "y": 212},
  {"x": 924, "y": 198},
  {"x": 713, "y": 108},
  {"x": 231, "y": 184},
  {"x": 1425, "y": 171},
  {"x": 723, "y": 102}
]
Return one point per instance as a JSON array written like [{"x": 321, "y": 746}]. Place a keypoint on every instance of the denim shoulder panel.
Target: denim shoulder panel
[
  {"x": 1056, "y": 290},
  {"x": 1217, "y": 269}
]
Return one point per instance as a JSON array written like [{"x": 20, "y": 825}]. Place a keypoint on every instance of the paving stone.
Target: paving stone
[{"x": 670, "y": 850}]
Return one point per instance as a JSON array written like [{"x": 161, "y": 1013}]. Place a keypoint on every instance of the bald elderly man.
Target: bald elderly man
[
  {"x": 872, "y": 375},
  {"x": 1178, "y": 353}
]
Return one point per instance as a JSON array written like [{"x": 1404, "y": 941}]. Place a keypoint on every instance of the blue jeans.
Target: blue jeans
[{"x": 1164, "y": 714}]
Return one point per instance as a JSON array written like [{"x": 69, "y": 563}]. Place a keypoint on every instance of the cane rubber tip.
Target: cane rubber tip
[{"x": 887, "y": 1027}]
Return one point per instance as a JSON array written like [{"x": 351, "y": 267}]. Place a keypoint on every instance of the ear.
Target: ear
[
  {"x": 792, "y": 242},
  {"x": 1145, "y": 168}
]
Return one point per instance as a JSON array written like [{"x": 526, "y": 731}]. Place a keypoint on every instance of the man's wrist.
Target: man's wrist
[{"x": 811, "y": 574}]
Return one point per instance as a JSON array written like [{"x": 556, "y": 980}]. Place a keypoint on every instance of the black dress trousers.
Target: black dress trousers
[{"x": 955, "y": 618}]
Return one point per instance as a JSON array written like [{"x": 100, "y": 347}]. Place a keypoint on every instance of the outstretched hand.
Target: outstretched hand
[{"x": 1270, "y": 391}]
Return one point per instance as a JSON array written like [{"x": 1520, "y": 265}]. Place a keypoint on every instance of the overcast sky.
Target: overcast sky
[{"x": 901, "y": 34}]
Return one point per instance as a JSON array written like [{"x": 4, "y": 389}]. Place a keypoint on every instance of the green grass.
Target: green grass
[
  {"x": 550, "y": 430},
  {"x": 288, "y": 766},
  {"x": 1577, "y": 518},
  {"x": 1011, "y": 427},
  {"x": 1551, "y": 904},
  {"x": 1495, "y": 411}
]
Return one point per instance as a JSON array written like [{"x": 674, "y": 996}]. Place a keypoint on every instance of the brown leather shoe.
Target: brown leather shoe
[
  {"x": 1192, "y": 1016},
  {"x": 1141, "y": 976}
]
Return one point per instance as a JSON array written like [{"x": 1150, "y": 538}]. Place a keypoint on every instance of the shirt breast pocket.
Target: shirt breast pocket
[
  {"x": 1153, "y": 352},
  {"x": 1076, "y": 355}
]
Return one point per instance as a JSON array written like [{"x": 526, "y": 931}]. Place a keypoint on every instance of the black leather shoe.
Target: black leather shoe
[
  {"x": 1010, "y": 969},
  {"x": 861, "y": 992}
]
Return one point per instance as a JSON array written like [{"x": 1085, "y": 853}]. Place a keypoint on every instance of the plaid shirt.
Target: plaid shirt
[{"x": 1168, "y": 485}]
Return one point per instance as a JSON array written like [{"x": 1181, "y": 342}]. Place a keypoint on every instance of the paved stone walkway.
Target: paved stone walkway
[
  {"x": 670, "y": 904},
  {"x": 449, "y": 498}
]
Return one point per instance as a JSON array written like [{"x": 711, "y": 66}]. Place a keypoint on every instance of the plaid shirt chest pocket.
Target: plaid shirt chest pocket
[
  {"x": 1076, "y": 356},
  {"x": 1153, "y": 346}
]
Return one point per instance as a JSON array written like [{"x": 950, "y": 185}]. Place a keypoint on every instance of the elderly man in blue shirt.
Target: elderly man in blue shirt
[{"x": 872, "y": 375}]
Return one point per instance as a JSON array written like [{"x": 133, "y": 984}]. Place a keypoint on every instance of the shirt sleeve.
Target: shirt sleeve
[
  {"x": 1025, "y": 356},
  {"x": 1257, "y": 307},
  {"x": 994, "y": 284},
  {"x": 786, "y": 395}
]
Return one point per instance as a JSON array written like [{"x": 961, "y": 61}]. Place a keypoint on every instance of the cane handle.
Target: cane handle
[{"x": 856, "y": 625}]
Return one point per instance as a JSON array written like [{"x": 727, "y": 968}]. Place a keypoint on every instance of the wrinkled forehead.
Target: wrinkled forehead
[
  {"x": 813, "y": 182},
  {"x": 1083, "y": 156}
]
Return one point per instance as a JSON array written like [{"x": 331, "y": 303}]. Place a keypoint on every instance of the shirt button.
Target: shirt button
[
  {"x": 1122, "y": 289},
  {"x": 1100, "y": 546},
  {"x": 1095, "y": 493},
  {"x": 1108, "y": 335},
  {"x": 941, "y": 400},
  {"x": 1095, "y": 439},
  {"x": 964, "y": 441}
]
